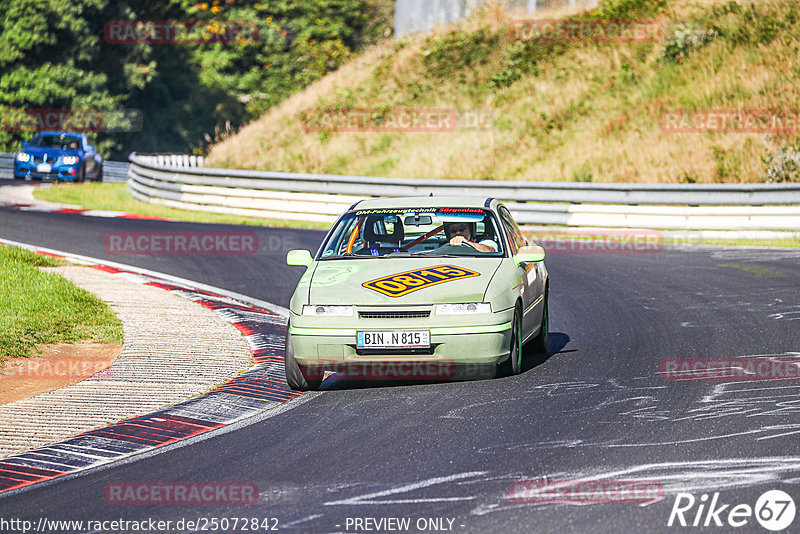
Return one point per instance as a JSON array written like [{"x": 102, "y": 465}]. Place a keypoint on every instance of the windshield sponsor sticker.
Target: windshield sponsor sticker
[
  {"x": 438, "y": 211},
  {"x": 397, "y": 285}
]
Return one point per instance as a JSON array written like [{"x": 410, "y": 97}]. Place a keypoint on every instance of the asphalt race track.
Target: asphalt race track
[{"x": 596, "y": 409}]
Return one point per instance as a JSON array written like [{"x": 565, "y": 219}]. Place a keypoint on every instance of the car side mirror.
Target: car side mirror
[
  {"x": 24, "y": 144},
  {"x": 528, "y": 254},
  {"x": 301, "y": 258},
  {"x": 90, "y": 148}
]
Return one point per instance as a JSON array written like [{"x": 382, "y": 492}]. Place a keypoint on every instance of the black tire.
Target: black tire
[
  {"x": 294, "y": 374},
  {"x": 82, "y": 174},
  {"x": 538, "y": 345},
  {"x": 99, "y": 177},
  {"x": 513, "y": 364}
]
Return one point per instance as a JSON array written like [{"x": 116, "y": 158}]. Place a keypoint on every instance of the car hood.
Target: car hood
[
  {"x": 52, "y": 153},
  {"x": 341, "y": 281}
]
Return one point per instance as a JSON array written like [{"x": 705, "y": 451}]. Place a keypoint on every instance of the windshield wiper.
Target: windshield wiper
[
  {"x": 435, "y": 255},
  {"x": 414, "y": 254}
]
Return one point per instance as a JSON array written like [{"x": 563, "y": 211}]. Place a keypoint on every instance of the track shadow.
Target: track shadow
[
  {"x": 555, "y": 345},
  {"x": 443, "y": 373},
  {"x": 336, "y": 383},
  {"x": 556, "y": 341}
]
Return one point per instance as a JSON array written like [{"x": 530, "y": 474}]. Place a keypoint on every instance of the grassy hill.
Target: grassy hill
[{"x": 581, "y": 110}]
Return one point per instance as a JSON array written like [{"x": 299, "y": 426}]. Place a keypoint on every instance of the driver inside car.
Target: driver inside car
[{"x": 462, "y": 233}]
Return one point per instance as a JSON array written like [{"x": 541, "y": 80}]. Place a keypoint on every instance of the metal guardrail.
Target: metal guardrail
[
  {"x": 181, "y": 182},
  {"x": 113, "y": 171},
  {"x": 424, "y": 15},
  {"x": 6, "y": 165},
  {"x": 524, "y": 191}
]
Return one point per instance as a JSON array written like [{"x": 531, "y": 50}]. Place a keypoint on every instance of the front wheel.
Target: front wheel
[
  {"x": 538, "y": 344},
  {"x": 513, "y": 365},
  {"x": 294, "y": 374}
]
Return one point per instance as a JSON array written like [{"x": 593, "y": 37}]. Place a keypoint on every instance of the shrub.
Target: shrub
[
  {"x": 761, "y": 25},
  {"x": 783, "y": 164},
  {"x": 458, "y": 50},
  {"x": 628, "y": 9},
  {"x": 521, "y": 58},
  {"x": 683, "y": 40}
]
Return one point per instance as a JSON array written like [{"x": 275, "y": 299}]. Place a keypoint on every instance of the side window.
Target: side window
[
  {"x": 509, "y": 229},
  {"x": 514, "y": 233}
]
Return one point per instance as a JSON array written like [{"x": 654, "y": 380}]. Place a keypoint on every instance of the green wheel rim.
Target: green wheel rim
[{"x": 519, "y": 342}]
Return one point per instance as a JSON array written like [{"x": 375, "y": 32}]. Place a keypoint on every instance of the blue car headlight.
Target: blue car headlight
[
  {"x": 69, "y": 160},
  {"x": 24, "y": 157}
]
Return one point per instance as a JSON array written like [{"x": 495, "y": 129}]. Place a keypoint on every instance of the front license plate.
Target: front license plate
[
  {"x": 43, "y": 167},
  {"x": 393, "y": 339}
]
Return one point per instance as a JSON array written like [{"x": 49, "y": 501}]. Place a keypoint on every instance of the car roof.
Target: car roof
[
  {"x": 426, "y": 202},
  {"x": 59, "y": 133}
]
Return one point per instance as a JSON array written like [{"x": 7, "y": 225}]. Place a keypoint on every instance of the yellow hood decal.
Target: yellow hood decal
[{"x": 397, "y": 285}]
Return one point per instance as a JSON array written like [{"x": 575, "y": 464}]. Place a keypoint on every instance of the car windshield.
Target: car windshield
[
  {"x": 402, "y": 232},
  {"x": 63, "y": 142}
]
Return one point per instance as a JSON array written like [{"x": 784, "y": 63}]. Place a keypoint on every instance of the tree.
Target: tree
[{"x": 59, "y": 56}]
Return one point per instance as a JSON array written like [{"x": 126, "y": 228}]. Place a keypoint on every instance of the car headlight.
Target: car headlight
[
  {"x": 459, "y": 309},
  {"x": 69, "y": 160},
  {"x": 328, "y": 311},
  {"x": 24, "y": 157}
]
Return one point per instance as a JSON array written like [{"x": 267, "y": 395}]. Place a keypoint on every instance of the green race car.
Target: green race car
[{"x": 417, "y": 289}]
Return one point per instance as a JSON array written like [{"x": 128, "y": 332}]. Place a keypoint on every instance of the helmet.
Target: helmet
[{"x": 473, "y": 228}]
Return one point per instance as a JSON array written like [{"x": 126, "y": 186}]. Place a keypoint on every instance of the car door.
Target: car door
[
  {"x": 89, "y": 159},
  {"x": 527, "y": 271}
]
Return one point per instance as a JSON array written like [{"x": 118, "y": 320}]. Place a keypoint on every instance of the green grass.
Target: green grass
[
  {"x": 573, "y": 111},
  {"x": 39, "y": 308},
  {"x": 115, "y": 197}
]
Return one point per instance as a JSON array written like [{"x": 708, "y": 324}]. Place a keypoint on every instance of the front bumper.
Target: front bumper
[
  {"x": 60, "y": 172},
  {"x": 468, "y": 351}
]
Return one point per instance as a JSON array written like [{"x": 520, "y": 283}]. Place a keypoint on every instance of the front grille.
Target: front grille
[{"x": 394, "y": 314}]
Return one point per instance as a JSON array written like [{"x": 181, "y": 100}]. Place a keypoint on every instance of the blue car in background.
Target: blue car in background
[{"x": 65, "y": 156}]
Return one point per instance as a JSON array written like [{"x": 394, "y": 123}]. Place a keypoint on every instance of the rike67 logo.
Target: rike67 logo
[{"x": 774, "y": 510}]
